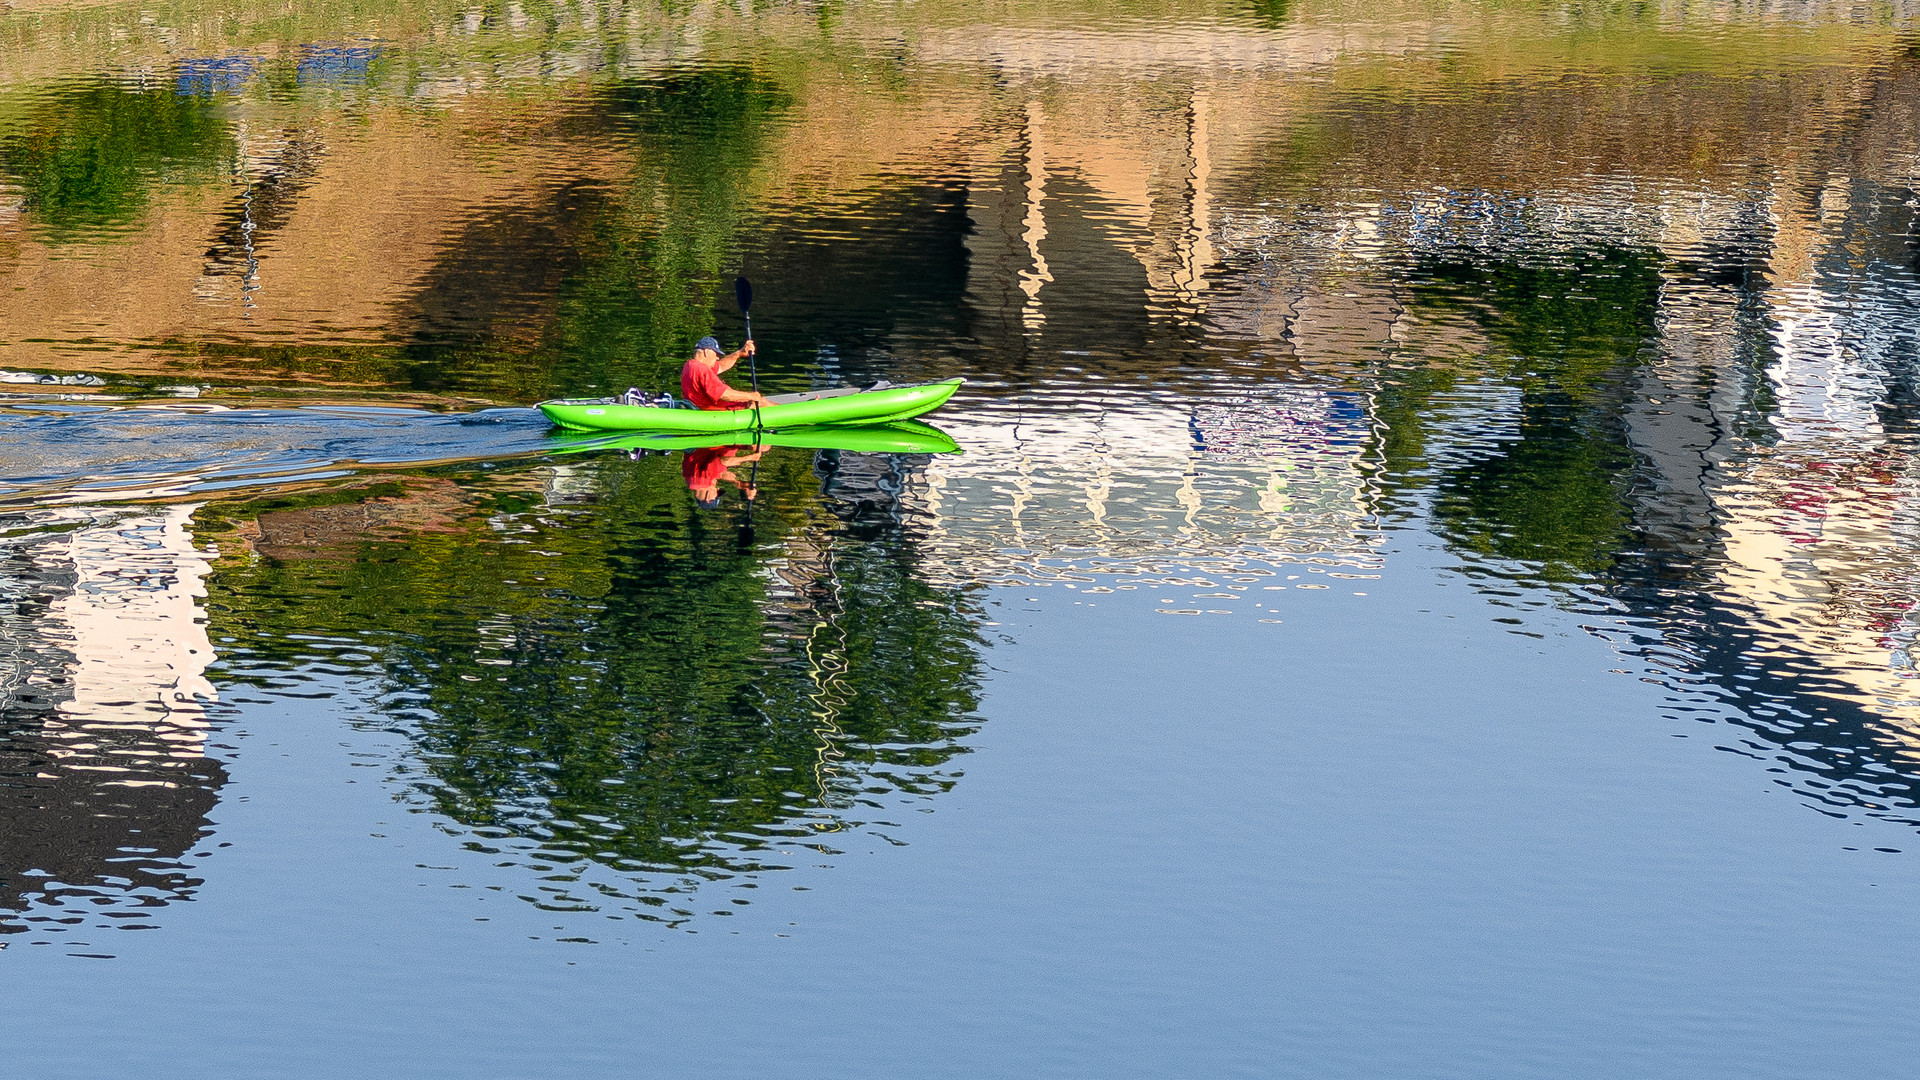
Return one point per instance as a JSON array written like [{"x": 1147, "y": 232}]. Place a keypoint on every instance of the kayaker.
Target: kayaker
[
  {"x": 706, "y": 467},
  {"x": 700, "y": 381}
]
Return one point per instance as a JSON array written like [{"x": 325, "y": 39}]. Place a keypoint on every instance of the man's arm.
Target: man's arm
[
  {"x": 733, "y": 357},
  {"x": 746, "y": 488},
  {"x": 730, "y": 394}
]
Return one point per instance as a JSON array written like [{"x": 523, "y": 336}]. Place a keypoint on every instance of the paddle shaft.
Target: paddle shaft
[{"x": 753, "y": 369}]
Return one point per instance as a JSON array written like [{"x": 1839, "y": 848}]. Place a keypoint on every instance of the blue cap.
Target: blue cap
[{"x": 706, "y": 343}]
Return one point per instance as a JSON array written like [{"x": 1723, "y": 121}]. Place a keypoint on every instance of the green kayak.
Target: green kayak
[
  {"x": 846, "y": 405},
  {"x": 904, "y": 437}
]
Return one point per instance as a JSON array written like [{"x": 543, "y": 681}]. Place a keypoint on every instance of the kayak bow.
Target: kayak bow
[{"x": 846, "y": 405}]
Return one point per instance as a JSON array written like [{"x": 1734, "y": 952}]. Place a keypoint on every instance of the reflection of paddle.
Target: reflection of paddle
[{"x": 752, "y": 493}]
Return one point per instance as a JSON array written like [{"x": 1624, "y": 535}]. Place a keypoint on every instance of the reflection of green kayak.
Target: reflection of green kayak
[
  {"x": 903, "y": 437},
  {"x": 847, "y": 405}
]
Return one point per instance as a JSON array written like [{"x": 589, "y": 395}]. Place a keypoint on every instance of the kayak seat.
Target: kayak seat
[{"x": 641, "y": 399}]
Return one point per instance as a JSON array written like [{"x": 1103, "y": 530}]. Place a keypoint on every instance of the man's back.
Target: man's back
[{"x": 701, "y": 384}]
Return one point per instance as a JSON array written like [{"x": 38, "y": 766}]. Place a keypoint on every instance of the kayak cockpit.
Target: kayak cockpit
[
  {"x": 816, "y": 395},
  {"x": 772, "y": 399}
]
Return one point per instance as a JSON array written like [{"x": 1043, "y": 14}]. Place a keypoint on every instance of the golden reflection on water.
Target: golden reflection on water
[{"x": 352, "y": 209}]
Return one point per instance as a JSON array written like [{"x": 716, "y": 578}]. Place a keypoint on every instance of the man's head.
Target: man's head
[{"x": 707, "y": 344}]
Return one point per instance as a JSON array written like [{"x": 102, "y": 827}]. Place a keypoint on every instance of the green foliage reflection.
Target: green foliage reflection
[
  {"x": 87, "y": 160},
  {"x": 1562, "y": 332},
  {"x": 1553, "y": 497},
  {"x": 1271, "y": 13},
  {"x": 622, "y": 683},
  {"x": 642, "y": 266},
  {"x": 657, "y": 261}
]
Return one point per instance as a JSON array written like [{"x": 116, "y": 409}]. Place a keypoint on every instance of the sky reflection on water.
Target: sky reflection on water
[{"x": 1426, "y": 590}]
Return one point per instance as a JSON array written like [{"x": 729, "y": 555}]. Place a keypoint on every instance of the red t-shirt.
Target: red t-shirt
[
  {"x": 702, "y": 385},
  {"x": 704, "y": 467}
]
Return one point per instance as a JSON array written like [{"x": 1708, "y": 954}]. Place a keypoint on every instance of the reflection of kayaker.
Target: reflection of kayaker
[
  {"x": 706, "y": 467},
  {"x": 904, "y": 437},
  {"x": 700, "y": 380}
]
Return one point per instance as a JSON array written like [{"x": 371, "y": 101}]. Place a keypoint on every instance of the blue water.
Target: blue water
[{"x": 1182, "y": 846}]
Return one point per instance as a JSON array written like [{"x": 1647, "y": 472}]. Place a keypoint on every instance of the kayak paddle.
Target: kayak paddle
[{"x": 743, "y": 295}]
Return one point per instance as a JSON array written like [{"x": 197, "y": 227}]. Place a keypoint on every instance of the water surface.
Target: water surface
[{"x": 1427, "y": 589}]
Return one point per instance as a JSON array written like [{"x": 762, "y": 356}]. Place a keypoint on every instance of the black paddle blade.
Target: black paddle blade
[{"x": 743, "y": 293}]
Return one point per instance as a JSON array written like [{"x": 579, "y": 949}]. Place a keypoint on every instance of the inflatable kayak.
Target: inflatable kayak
[
  {"x": 879, "y": 404},
  {"x": 904, "y": 437}
]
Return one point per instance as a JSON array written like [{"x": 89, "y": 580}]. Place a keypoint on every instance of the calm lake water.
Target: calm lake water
[{"x": 1428, "y": 587}]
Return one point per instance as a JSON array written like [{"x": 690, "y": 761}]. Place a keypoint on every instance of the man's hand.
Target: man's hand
[{"x": 747, "y": 349}]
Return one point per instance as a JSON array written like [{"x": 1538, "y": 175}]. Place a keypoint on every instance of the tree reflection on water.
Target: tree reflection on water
[{"x": 595, "y": 672}]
